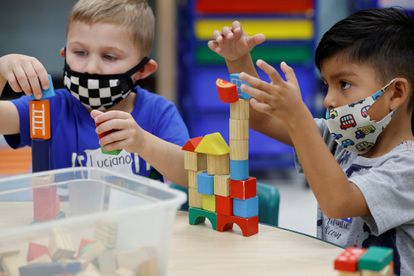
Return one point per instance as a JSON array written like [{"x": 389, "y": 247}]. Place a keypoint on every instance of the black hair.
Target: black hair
[{"x": 381, "y": 38}]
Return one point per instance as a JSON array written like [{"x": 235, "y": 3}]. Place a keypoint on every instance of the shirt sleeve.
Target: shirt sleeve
[{"x": 389, "y": 192}]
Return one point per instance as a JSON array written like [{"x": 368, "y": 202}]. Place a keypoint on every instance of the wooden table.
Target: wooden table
[{"x": 198, "y": 250}]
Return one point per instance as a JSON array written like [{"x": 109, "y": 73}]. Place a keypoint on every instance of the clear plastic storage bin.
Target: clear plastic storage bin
[{"x": 85, "y": 221}]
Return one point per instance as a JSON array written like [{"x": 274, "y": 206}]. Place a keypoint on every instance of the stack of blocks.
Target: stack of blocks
[
  {"x": 45, "y": 199},
  {"x": 225, "y": 194},
  {"x": 374, "y": 261}
]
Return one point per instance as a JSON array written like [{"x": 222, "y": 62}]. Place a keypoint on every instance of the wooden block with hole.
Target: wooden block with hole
[
  {"x": 221, "y": 185},
  {"x": 240, "y": 110},
  {"x": 239, "y": 149},
  {"x": 194, "y": 198},
  {"x": 239, "y": 129},
  {"x": 218, "y": 164},
  {"x": 194, "y": 161}
]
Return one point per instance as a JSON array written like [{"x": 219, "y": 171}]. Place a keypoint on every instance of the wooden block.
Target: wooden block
[
  {"x": 224, "y": 205},
  {"x": 218, "y": 164},
  {"x": 249, "y": 226},
  {"x": 45, "y": 202},
  {"x": 194, "y": 161},
  {"x": 124, "y": 272},
  {"x": 194, "y": 198},
  {"x": 82, "y": 244},
  {"x": 209, "y": 202},
  {"x": 149, "y": 267},
  {"x": 213, "y": 144},
  {"x": 221, "y": 185},
  {"x": 110, "y": 152},
  {"x": 192, "y": 144},
  {"x": 227, "y": 91},
  {"x": 239, "y": 149},
  {"x": 192, "y": 179},
  {"x": 130, "y": 260},
  {"x": 197, "y": 216},
  {"x": 246, "y": 208},
  {"x": 239, "y": 169},
  {"x": 90, "y": 270},
  {"x": 91, "y": 251},
  {"x": 39, "y": 111},
  {"x": 60, "y": 245},
  {"x": 347, "y": 261},
  {"x": 239, "y": 129},
  {"x": 243, "y": 189},
  {"x": 205, "y": 184},
  {"x": 11, "y": 263},
  {"x": 343, "y": 273},
  {"x": 106, "y": 231},
  {"x": 235, "y": 78},
  {"x": 47, "y": 93},
  {"x": 107, "y": 262},
  {"x": 240, "y": 110},
  {"x": 35, "y": 251},
  {"x": 41, "y": 155},
  {"x": 375, "y": 259}
]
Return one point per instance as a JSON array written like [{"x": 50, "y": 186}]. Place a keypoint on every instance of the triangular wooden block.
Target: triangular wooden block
[
  {"x": 192, "y": 144},
  {"x": 213, "y": 144}
]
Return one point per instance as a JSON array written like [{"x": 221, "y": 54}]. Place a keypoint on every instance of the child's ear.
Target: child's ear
[
  {"x": 148, "y": 69},
  {"x": 401, "y": 93},
  {"x": 62, "y": 52}
]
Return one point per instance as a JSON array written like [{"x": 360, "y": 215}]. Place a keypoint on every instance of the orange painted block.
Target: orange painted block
[
  {"x": 36, "y": 250},
  {"x": 227, "y": 91},
  {"x": 224, "y": 205},
  {"x": 249, "y": 226},
  {"x": 348, "y": 260},
  {"x": 39, "y": 111},
  {"x": 192, "y": 144},
  {"x": 243, "y": 189}
]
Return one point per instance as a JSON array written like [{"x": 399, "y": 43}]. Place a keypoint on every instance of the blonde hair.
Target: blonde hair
[{"x": 136, "y": 15}]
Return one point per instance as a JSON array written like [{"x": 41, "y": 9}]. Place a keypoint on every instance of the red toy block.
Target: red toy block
[
  {"x": 39, "y": 111},
  {"x": 36, "y": 250},
  {"x": 243, "y": 189},
  {"x": 227, "y": 91},
  {"x": 348, "y": 259},
  {"x": 83, "y": 243},
  {"x": 224, "y": 205},
  {"x": 248, "y": 226},
  {"x": 192, "y": 144},
  {"x": 45, "y": 203}
]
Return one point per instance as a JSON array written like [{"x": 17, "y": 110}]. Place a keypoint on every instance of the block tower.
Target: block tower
[
  {"x": 45, "y": 199},
  {"x": 220, "y": 188}
]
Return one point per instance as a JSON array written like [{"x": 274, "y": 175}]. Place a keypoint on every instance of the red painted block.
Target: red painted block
[
  {"x": 192, "y": 144},
  {"x": 45, "y": 203},
  {"x": 227, "y": 91},
  {"x": 348, "y": 259},
  {"x": 248, "y": 226},
  {"x": 243, "y": 189},
  {"x": 224, "y": 205},
  {"x": 36, "y": 250},
  {"x": 83, "y": 243}
]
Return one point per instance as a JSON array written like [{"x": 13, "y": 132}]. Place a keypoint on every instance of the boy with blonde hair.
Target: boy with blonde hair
[
  {"x": 108, "y": 42},
  {"x": 359, "y": 161}
]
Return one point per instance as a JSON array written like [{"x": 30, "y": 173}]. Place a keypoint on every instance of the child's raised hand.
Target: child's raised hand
[
  {"x": 119, "y": 130},
  {"x": 232, "y": 43},
  {"x": 279, "y": 98},
  {"x": 24, "y": 74}
]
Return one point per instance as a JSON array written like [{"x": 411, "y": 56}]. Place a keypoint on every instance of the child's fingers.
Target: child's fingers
[
  {"x": 255, "y": 40},
  {"x": 256, "y": 83},
  {"x": 11, "y": 78},
  {"x": 227, "y": 33},
  {"x": 213, "y": 45},
  {"x": 217, "y": 36},
  {"x": 257, "y": 94},
  {"x": 41, "y": 73},
  {"x": 22, "y": 80},
  {"x": 33, "y": 79},
  {"x": 95, "y": 113},
  {"x": 289, "y": 73},
  {"x": 260, "y": 107},
  {"x": 270, "y": 71}
]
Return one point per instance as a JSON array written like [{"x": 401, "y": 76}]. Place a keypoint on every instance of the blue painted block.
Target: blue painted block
[
  {"x": 239, "y": 169},
  {"x": 246, "y": 208},
  {"x": 205, "y": 184},
  {"x": 41, "y": 157},
  {"x": 235, "y": 78},
  {"x": 50, "y": 92},
  {"x": 49, "y": 269}
]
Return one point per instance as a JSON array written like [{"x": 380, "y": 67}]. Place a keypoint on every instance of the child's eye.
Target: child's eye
[
  {"x": 110, "y": 57},
  {"x": 80, "y": 53},
  {"x": 345, "y": 85}
]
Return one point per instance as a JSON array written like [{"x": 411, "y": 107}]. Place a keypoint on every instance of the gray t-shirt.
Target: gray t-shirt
[{"x": 387, "y": 183}]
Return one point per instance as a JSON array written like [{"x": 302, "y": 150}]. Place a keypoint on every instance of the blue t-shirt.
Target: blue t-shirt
[{"x": 74, "y": 140}]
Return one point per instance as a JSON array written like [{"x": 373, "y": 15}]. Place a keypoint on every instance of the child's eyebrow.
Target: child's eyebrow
[{"x": 342, "y": 74}]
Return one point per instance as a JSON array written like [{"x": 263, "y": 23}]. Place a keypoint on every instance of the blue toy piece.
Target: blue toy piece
[
  {"x": 246, "y": 208},
  {"x": 48, "y": 93},
  {"x": 205, "y": 184},
  {"x": 235, "y": 78},
  {"x": 49, "y": 269},
  {"x": 41, "y": 159},
  {"x": 239, "y": 169}
]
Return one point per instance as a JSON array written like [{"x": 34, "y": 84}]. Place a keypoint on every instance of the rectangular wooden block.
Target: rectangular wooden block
[
  {"x": 218, "y": 164},
  {"x": 194, "y": 161},
  {"x": 209, "y": 202},
  {"x": 239, "y": 149},
  {"x": 194, "y": 198},
  {"x": 192, "y": 179},
  {"x": 39, "y": 111},
  {"x": 239, "y": 129},
  {"x": 221, "y": 185},
  {"x": 240, "y": 109}
]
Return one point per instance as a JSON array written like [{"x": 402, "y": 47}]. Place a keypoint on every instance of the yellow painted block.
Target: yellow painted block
[
  {"x": 209, "y": 202},
  {"x": 213, "y": 144},
  {"x": 286, "y": 29}
]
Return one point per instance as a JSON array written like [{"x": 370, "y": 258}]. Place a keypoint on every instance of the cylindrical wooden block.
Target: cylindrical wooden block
[
  {"x": 194, "y": 161},
  {"x": 221, "y": 185},
  {"x": 239, "y": 109},
  {"x": 239, "y": 149},
  {"x": 218, "y": 164},
  {"x": 239, "y": 129}
]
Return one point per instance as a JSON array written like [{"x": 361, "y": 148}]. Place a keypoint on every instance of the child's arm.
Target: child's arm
[
  {"x": 23, "y": 74},
  {"x": 337, "y": 197},
  {"x": 235, "y": 47},
  {"x": 167, "y": 158}
]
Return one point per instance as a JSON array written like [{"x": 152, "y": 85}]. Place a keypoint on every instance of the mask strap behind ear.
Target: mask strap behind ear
[{"x": 138, "y": 67}]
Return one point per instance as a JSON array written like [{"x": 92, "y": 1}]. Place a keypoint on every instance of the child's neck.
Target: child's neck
[{"x": 127, "y": 104}]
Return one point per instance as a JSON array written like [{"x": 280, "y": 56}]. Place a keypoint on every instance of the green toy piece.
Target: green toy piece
[
  {"x": 197, "y": 216},
  {"x": 375, "y": 258}
]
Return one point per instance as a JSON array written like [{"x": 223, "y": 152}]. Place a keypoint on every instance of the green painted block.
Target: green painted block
[
  {"x": 111, "y": 152},
  {"x": 375, "y": 258},
  {"x": 271, "y": 54},
  {"x": 197, "y": 216}
]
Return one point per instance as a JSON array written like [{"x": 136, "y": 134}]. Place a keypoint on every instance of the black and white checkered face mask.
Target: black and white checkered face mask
[{"x": 100, "y": 91}]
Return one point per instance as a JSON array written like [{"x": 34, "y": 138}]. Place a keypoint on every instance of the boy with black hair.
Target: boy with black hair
[
  {"x": 359, "y": 160},
  {"x": 108, "y": 42}
]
